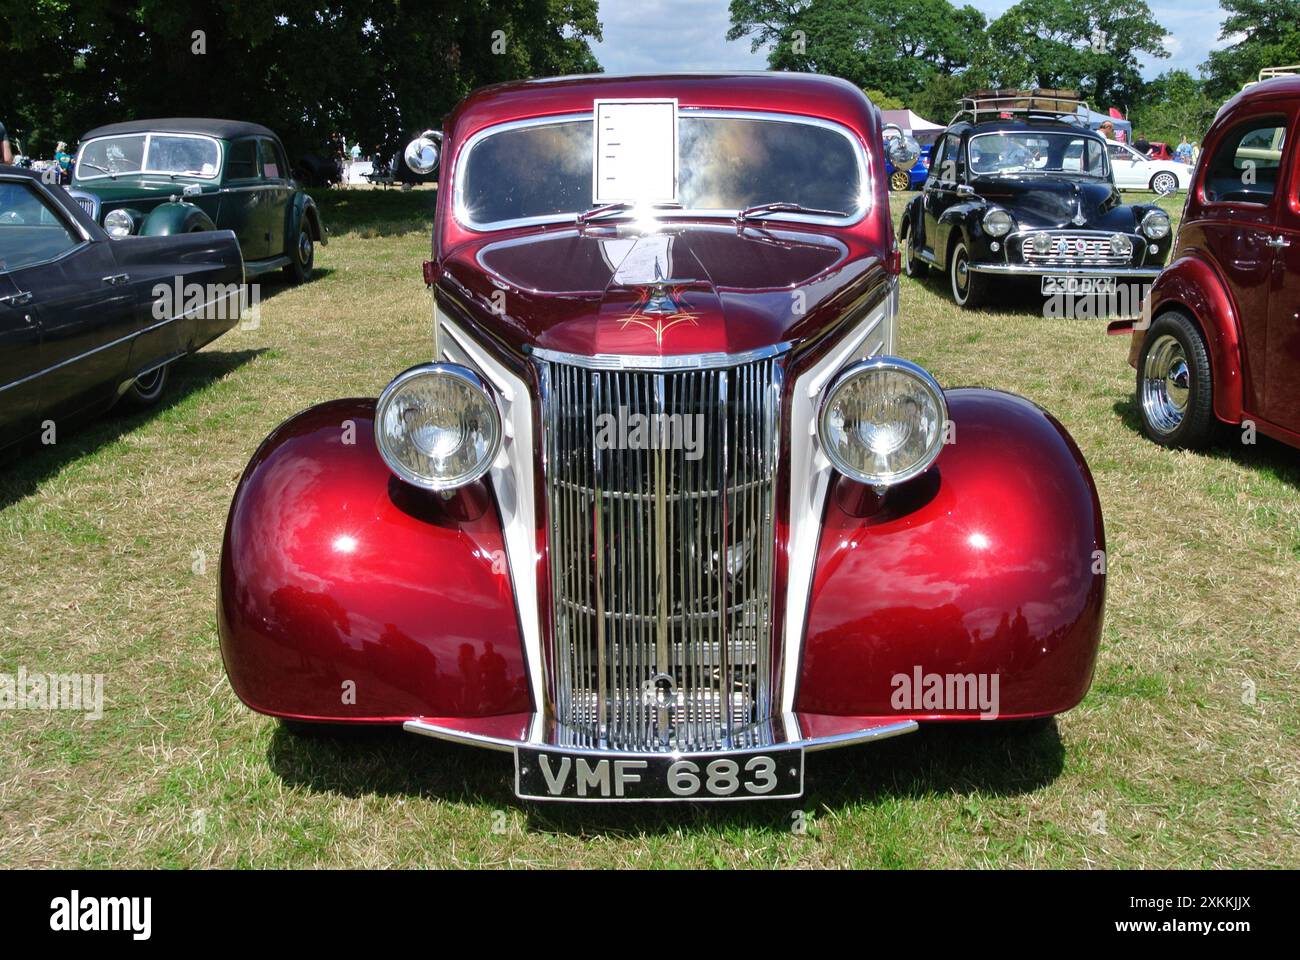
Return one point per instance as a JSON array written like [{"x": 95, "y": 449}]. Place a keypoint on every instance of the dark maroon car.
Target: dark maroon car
[
  {"x": 667, "y": 512},
  {"x": 1223, "y": 345}
]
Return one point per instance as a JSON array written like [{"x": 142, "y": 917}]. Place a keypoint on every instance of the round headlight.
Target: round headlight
[
  {"x": 882, "y": 421},
  {"x": 998, "y": 223},
  {"x": 119, "y": 223},
  {"x": 437, "y": 426},
  {"x": 1156, "y": 224},
  {"x": 1120, "y": 245}
]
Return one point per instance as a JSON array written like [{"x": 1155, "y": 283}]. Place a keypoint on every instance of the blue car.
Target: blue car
[{"x": 913, "y": 179}]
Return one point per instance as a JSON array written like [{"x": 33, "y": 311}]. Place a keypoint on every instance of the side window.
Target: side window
[
  {"x": 31, "y": 231},
  {"x": 241, "y": 161},
  {"x": 271, "y": 166},
  {"x": 947, "y": 167},
  {"x": 937, "y": 154},
  {"x": 1246, "y": 163}
]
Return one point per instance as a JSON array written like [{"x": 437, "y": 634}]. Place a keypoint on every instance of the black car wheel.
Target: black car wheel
[
  {"x": 913, "y": 265},
  {"x": 1175, "y": 388},
  {"x": 146, "y": 390},
  {"x": 302, "y": 256},
  {"x": 1164, "y": 182},
  {"x": 968, "y": 287}
]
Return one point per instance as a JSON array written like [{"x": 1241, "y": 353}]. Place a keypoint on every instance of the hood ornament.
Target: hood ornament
[
  {"x": 1080, "y": 218},
  {"x": 659, "y": 306}
]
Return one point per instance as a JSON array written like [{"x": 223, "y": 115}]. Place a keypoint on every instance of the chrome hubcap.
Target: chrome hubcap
[
  {"x": 961, "y": 274},
  {"x": 1166, "y": 384},
  {"x": 304, "y": 247}
]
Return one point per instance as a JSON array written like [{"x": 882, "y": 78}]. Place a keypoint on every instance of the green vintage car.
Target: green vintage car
[{"x": 161, "y": 177}]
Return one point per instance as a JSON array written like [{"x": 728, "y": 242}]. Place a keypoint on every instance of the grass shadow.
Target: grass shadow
[
  {"x": 377, "y": 213},
  {"x": 1265, "y": 455},
  {"x": 957, "y": 759},
  {"x": 26, "y": 466}
]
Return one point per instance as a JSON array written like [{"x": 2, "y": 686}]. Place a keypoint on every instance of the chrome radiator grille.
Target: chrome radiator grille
[
  {"x": 1076, "y": 249},
  {"x": 660, "y": 551}
]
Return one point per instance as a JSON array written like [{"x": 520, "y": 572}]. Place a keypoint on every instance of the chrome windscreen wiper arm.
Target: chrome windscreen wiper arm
[
  {"x": 622, "y": 206},
  {"x": 786, "y": 206}
]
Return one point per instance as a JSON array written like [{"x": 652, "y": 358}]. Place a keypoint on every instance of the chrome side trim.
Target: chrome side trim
[
  {"x": 810, "y": 471},
  {"x": 512, "y": 481},
  {"x": 120, "y": 340},
  {"x": 690, "y": 361}
]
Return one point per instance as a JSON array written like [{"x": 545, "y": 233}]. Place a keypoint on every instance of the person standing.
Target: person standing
[
  {"x": 1107, "y": 130},
  {"x": 1142, "y": 146},
  {"x": 6, "y": 151},
  {"x": 1183, "y": 152},
  {"x": 64, "y": 160}
]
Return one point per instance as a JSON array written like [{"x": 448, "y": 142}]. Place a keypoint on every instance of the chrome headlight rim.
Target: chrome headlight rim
[
  {"x": 871, "y": 365},
  {"x": 467, "y": 376},
  {"x": 1153, "y": 217},
  {"x": 123, "y": 223},
  {"x": 1003, "y": 226}
]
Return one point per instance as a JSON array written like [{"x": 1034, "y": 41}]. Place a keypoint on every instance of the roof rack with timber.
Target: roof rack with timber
[{"x": 1038, "y": 103}]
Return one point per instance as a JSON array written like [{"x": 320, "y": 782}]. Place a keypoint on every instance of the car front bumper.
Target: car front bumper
[{"x": 1066, "y": 270}]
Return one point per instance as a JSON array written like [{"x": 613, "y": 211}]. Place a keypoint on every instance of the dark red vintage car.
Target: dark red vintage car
[
  {"x": 667, "y": 512},
  {"x": 1223, "y": 345}
]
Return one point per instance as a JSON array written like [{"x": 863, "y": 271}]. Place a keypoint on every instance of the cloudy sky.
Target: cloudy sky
[{"x": 647, "y": 35}]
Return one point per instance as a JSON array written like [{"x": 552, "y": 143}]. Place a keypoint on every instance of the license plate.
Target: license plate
[
  {"x": 545, "y": 773},
  {"x": 1082, "y": 286}
]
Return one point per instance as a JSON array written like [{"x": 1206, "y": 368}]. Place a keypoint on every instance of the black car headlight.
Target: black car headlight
[
  {"x": 882, "y": 421},
  {"x": 437, "y": 426},
  {"x": 1155, "y": 225},
  {"x": 998, "y": 223},
  {"x": 119, "y": 223}
]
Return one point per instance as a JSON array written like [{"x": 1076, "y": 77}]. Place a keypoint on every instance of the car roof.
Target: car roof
[
  {"x": 1286, "y": 86},
  {"x": 222, "y": 129},
  {"x": 11, "y": 171}
]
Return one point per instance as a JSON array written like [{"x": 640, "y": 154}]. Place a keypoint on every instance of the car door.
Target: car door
[
  {"x": 241, "y": 199},
  {"x": 20, "y": 353},
  {"x": 277, "y": 197},
  {"x": 941, "y": 189},
  {"x": 1282, "y": 396},
  {"x": 1132, "y": 170},
  {"x": 71, "y": 287}
]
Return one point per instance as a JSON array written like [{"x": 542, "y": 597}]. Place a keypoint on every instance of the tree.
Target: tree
[
  {"x": 877, "y": 44},
  {"x": 373, "y": 70},
  {"x": 1174, "y": 105},
  {"x": 1264, "y": 33},
  {"x": 1092, "y": 46}
]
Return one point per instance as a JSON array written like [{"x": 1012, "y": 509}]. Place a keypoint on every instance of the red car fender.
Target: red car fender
[
  {"x": 346, "y": 595},
  {"x": 991, "y": 563},
  {"x": 1192, "y": 284}
]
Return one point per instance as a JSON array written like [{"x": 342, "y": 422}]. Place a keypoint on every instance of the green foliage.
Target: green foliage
[
  {"x": 373, "y": 70},
  {"x": 1265, "y": 33},
  {"x": 1174, "y": 105}
]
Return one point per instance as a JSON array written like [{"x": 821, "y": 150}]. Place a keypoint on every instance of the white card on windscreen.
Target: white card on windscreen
[{"x": 635, "y": 151}]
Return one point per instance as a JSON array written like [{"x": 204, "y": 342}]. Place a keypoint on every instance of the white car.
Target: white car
[{"x": 1133, "y": 171}]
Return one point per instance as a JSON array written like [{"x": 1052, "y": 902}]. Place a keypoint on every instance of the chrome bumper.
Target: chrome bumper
[
  {"x": 810, "y": 732},
  {"x": 1041, "y": 270}
]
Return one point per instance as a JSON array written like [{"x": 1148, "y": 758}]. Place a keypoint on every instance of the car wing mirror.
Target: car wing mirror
[
  {"x": 903, "y": 150},
  {"x": 422, "y": 153},
  {"x": 192, "y": 190},
  {"x": 965, "y": 190}
]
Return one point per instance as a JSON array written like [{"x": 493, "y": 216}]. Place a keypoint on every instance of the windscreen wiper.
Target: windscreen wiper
[
  {"x": 785, "y": 206},
  {"x": 622, "y": 206}
]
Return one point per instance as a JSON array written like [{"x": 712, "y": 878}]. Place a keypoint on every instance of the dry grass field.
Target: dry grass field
[{"x": 1186, "y": 751}]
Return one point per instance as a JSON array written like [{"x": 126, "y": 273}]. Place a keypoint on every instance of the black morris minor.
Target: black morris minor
[
  {"x": 164, "y": 177},
  {"x": 667, "y": 512},
  {"x": 1018, "y": 190},
  {"x": 82, "y": 322}
]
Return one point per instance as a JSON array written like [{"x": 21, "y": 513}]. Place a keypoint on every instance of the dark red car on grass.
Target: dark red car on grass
[
  {"x": 666, "y": 512},
  {"x": 1223, "y": 345}
]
